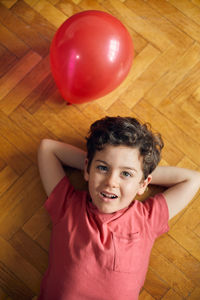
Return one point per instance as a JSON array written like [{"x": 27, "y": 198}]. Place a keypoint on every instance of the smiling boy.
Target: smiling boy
[
  {"x": 102, "y": 239},
  {"x": 115, "y": 178}
]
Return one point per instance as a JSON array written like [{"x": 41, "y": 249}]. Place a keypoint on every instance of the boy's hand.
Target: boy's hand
[
  {"x": 182, "y": 185},
  {"x": 51, "y": 156}
]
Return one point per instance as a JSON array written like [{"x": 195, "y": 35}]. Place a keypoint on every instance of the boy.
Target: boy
[{"x": 101, "y": 240}]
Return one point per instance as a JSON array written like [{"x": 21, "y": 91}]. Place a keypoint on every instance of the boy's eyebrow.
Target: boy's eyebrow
[{"x": 122, "y": 167}]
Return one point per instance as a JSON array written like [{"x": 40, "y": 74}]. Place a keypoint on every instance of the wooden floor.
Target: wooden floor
[{"x": 163, "y": 88}]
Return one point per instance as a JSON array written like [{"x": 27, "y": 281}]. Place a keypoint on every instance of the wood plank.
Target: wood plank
[
  {"x": 17, "y": 137},
  {"x": 7, "y": 178},
  {"x": 171, "y": 294},
  {"x": 195, "y": 294},
  {"x": 18, "y": 265},
  {"x": 187, "y": 87},
  {"x": 55, "y": 101},
  {"x": 64, "y": 131},
  {"x": 192, "y": 107},
  {"x": 187, "y": 238},
  {"x": 155, "y": 285},
  {"x": 37, "y": 223},
  {"x": 190, "y": 219},
  {"x": 172, "y": 275},
  {"x": 25, "y": 87},
  {"x": 44, "y": 112},
  {"x": 196, "y": 94},
  {"x": 188, "y": 9},
  {"x": 181, "y": 119},
  {"x": 167, "y": 83},
  {"x": 31, "y": 2},
  {"x": 177, "y": 37},
  {"x": 72, "y": 116},
  {"x": 7, "y": 60},
  {"x": 44, "y": 238},
  {"x": 28, "y": 35},
  {"x": 156, "y": 70},
  {"x": 18, "y": 213},
  {"x": 13, "y": 195},
  {"x": 17, "y": 73},
  {"x": 68, "y": 8},
  {"x": 2, "y": 294},
  {"x": 37, "y": 97},
  {"x": 34, "y": 19},
  {"x": 197, "y": 230},
  {"x": 196, "y": 2},
  {"x": 176, "y": 254},
  {"x": 14, "y": 44},
  {"x": 13, "y": 157},
  {"x": 162, "y": 88},
  {"x": 29, "y": 124},
  {"x": 179, "y": 19},
  {"x": 49, "y": 12},
  {"x": 28, "y": 249},
  {"x": 183, "y": 141},
  {"x": 8, "y": 3},
  {"x": 12, "y": 285},
  {"x": 145, "y": 296}
]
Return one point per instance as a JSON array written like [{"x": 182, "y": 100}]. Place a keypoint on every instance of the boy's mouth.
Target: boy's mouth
[{"x": 108, "y": 195}]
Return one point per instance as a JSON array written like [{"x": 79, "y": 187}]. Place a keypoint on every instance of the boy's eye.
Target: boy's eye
[
  {"x": 126, "y": 174},
  {"x": 102, "y": 168}
]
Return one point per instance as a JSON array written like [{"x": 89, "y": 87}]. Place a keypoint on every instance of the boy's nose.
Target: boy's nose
[{"x": 112, "y": 180}]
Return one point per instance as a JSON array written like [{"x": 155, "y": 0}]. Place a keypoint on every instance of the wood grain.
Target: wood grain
[{"x": 162, "y": 87}]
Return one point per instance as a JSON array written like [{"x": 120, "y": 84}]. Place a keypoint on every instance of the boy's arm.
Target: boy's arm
[
  {"x": 51, "y": 155},
  {"x": 182, "y": 185}
]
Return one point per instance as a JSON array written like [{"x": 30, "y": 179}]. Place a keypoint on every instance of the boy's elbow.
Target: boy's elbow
[
  {"x": 41, "y": 145},
  {"x": 198, "y": 178},
  {"x": 43, "y": 148},
  {"x": 44, "y": 143}
]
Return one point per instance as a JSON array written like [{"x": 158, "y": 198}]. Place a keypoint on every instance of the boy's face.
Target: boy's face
[{"x": 115, "y": 177}]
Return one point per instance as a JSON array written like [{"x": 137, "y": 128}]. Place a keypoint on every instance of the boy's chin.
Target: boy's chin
[
  {"x": 103, "y": 209},
  {"x": 107, "y": 210}
]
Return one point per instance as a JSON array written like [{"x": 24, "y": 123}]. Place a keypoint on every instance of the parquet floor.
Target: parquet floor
[{"x": 163, "y": 87}]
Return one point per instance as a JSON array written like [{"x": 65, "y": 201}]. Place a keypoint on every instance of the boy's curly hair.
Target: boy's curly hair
[{"x": 129, "y": 132}]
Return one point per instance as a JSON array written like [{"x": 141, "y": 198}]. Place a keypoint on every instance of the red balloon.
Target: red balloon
[{"x": 91, "y": 54}]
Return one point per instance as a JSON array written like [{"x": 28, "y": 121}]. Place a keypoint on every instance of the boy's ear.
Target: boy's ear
[
  {"x": 86, "y": 174},
  {"x": 144, "y": 184}
]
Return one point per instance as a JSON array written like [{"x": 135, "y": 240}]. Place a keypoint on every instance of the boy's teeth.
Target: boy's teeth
[{"x": 109, "y": 196}]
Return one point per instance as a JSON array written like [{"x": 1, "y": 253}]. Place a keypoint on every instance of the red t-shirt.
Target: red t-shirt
[{"x": 96, "y": 256}]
